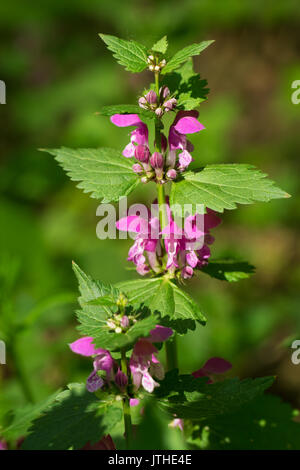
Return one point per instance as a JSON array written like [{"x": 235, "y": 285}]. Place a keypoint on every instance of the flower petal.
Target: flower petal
[
  {"x": 85, "y": 347},
  {"x": 125, "y": 120},
  {"x": 216, "y": 365},
  {"x": 160, "y": 334},
  {"x": 188, "y": 125}
]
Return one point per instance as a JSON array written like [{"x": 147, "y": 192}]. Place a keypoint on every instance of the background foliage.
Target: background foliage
[{"x": 58, "y": 74}]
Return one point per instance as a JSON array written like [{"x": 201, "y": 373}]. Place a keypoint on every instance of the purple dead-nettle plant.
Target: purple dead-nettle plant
[{"x": 125, "y": 326}]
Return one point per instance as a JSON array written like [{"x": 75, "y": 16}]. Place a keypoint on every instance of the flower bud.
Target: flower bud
[
  {"x": 170, "y": 104},
  {"x": 159, "y": 112},
  {"x": 163, "y": 63},
  {"x": 118, "y": 330},
  {"x": 121, "y": 379},
  {"x": 137, "y": 168},
  {"x": 144, "y": 179},
  {"x": 111, "y": 324},
  {"x": 164, "y": 92},
  {"x": 164, "y": 143},
  {"x": 172, "y": 174},
  {"x": 142, "y": 153},
  {"x": 187, "y": 272},
  {"x": 151, "y": 97},
  {"x": 125, "y": 321},
  {"x": 151, "y": 68},
  {"x": 157, "y": 68},
  {"x": 143, "y": 102},
  {"x": 157, "y": 160}
]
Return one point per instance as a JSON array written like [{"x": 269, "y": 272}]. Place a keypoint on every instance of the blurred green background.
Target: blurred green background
[{"x": 58, "y": 74}]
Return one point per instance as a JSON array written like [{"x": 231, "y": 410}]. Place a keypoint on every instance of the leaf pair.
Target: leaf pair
[
  {"x": 133, "y": 55},
  {"x": 107, "y": 175}
]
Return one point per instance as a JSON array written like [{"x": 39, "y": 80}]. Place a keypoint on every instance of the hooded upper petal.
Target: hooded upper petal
[
  {"x": 160, "y": 334},
  {"x": 85, "y": 347},
  {"x": 125, "y": 120}
]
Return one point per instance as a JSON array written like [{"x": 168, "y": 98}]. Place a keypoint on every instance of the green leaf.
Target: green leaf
[
  {"x": 184, "y": 54},
  {"x": 191, "y": 398},
  {"x": 130, "y": 54},
  {"x": 104, "y": 172},
  {"x": 160, "y": 46},
  {"x": 92, "y": 314},
  {"x": 117, "y": 341},
  {"x": 75, "y": 418},
  {"x": 187, "y": 86},
  {"x": 126, "y": 109},
  {"x": 177, "y": 309},
  {"x": 266, "y": 423},
  {"x": 98, "y": 302},
  {"x": 23, "y": 417},
  {"x": 222, "y": 186},
  {"x": 228, "y": 270}
]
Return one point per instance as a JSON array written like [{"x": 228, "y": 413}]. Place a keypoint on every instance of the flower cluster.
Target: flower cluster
[
  {"x": 173, "y": 250},
  {"x": 155, "y": 64},
  {"x": 142, "y": 368},
  {"x": 160, "y": 104},
  {"x": 174, "y": 156}
]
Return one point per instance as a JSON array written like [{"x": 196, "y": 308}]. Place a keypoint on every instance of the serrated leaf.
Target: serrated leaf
[
  {"x": 222, "y": 186},
  {"x": 98, "y": 303},
  {"x": 228, "y": 270},
  {"x": 23, "y": 417},
  {"x": 160, "y": 46},
  {"x": 177, "y": 309},
  {"x": 93, "y": 315},
  {"x": 92, "y": 290},
  {"x": 130, "y": 54},
  {"x": 189, "y": 89},
  {"x": 126, "y": 109},
  {"x": 117, "y": 341},
  {"x": 184, "y": 54},
  {"x": 266, "y": 423},
  {"x": 191, "y": 398},
  {"x": 103, "y": 172},
  {"x": 75, "y": 418}
]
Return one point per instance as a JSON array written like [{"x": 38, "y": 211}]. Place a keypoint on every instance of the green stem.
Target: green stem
[
  {"x": 171, "y": 349},
  {"x": 126, "y": 406},
  {"x": 161, "y": 198},
  {"x": 171, "y": 354}
]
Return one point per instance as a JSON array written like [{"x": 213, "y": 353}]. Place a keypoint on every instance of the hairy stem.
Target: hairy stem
[
  {"x": 126, "y": 405},
  {"x": 171, "y": 348}
]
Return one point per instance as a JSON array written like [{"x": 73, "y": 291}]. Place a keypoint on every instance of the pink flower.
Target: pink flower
[
  {"x": 84, "y": 347},
  {"x": 145, "y": 239},
  {"x": 214, "y": 365},
  {"x": 102, "y": 361},
  {"x": 186, "y": 248},
  {"x": 144, "y": 364},
  {"x": 184, "y": 123},
  {"x": 94, "y": 382},
  {"x": 138, "y": 136}
]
